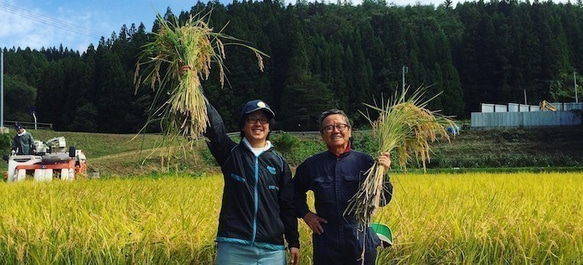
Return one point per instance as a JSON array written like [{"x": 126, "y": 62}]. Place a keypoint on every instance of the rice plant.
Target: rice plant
[
  {"x": 485, "y": 218},
  {"x": 466, "y": 218},
  {"x": 178, "y": 58},
  {"x": 407, "y": 127},
  {"x": 168, "y": 220}
]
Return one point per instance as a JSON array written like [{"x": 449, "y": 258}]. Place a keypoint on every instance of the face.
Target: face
[
  {"x": 336, "y": 131},
  {"x": 256, "y": 126}
]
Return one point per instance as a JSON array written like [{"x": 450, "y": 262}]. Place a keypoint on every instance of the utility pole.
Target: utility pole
[
  {"x": 405, "y": 70},
  {"x": 1, "y": 88}
]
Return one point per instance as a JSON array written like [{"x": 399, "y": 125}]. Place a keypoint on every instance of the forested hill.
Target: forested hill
[{"x": 321, "y": 56}]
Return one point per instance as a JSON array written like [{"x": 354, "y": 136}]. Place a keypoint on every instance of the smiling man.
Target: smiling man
[
  {"x": 257, "y": 210},
  {"x": 334, "y": 176}
]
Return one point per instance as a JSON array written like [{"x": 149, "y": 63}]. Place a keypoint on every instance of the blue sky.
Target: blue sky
[{"x": 77, "y": 23}]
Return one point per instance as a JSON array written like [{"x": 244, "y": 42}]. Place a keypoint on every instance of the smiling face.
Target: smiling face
[
  {"x": 256, "y": 128},
  {"x": 335, "y": 132}
]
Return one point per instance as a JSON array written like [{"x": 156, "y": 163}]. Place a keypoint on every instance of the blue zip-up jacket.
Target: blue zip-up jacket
[
  {"x": 334, "y": 180},
  {"x": 257, "y": 207}
]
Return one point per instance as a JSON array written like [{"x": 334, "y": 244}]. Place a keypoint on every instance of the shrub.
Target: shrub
[
  {"x": 284, "y": 142},
  {"x": 207, "y": 157},
  {"x": 5, "y": 142}
]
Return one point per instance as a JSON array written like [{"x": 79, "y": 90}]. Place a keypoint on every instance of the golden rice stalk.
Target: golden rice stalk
[
  {"x": 178, "y": 58},
  {"x": 404, "y": 126}
]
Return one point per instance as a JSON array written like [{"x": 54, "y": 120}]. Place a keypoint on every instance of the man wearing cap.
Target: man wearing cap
[
  {"x": 22, "y": 143},
  {"x": 257, "y": 210}
]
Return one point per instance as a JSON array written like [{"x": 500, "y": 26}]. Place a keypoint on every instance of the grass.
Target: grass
[
  {"x": 472, "y": 218},
  {"x": 113, "y": 221},
  {"x": 512, "y": 147},
  {"x": 133, "y": 155},
  {"x": 98, "y": 145},
  {"x": 486, "y": 218},
  {"x": 520, "y": 149}
]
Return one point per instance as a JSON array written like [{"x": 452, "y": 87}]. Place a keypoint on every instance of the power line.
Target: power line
[{"x": 70, "y": 27}]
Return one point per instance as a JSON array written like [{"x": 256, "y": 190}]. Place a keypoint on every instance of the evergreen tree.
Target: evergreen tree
[
  {"x": 327, "y": 55},
  {"x": 50, "y": 97},
  {"x": 21, "y": 98}
]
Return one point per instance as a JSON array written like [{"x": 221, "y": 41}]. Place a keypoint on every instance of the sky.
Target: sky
[{"x": 77, "y": 23}]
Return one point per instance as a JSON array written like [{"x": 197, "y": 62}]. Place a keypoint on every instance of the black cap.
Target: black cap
[{"x": 255, "y": 105}]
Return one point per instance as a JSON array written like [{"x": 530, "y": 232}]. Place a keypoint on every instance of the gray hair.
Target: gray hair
[{"x": 327, "y": 113}]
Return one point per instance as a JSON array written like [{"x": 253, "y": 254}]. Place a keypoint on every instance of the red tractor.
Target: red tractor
[{"x": 51, "y": 160}]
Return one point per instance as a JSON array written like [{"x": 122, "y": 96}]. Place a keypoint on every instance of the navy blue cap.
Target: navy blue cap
[
  {"x": 255, "y": 105},
  {"x": 17, "y": 126}
]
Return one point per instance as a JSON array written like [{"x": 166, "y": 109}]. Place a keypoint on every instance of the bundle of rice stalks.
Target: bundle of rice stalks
[
  {"x": 179, "y": 57},
  {"x": 403, "y": 126}
]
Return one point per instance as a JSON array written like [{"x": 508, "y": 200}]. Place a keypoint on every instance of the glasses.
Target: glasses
[
  {"x": 261, "y": 121},
  {"x": 340, "y": 127}
]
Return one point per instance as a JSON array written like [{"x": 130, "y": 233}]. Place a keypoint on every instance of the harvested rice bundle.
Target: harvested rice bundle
[
  {"x": 179, "y": 57},
  {"x": 404, "y": 126}
]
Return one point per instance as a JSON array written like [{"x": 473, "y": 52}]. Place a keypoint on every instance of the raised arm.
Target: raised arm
[{"x": 218, "y": 142}]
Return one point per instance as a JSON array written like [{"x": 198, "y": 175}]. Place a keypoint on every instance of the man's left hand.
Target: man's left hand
[
  {"x": 385, "y": 160},
  {"x": 294, "y": 257}
]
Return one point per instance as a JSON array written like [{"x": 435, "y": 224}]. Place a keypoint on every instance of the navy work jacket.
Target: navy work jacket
[{"x": 334, "y": 180}]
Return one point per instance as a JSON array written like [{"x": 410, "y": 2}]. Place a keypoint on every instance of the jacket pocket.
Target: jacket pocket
[
  {"x": 351, "y": 186},
  {"x": 237, "y": 177},
  {"x": 324, "y": 190},
  {"x": 271, "y": 170}
]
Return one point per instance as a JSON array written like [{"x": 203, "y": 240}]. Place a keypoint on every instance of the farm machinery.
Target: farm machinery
[{"x": 50, "y": 160}]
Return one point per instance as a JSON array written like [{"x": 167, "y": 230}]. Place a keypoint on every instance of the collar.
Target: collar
[
  {"x": 257, "y": 151},
  {"x": 340, "y": 154},
  {"x": 23, "y": 132}
]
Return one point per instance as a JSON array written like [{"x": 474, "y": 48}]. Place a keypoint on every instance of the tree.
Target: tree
[
  {"x": 85, "y": 119},
  {"x": 20, "y": 99},
  {"x": 50, "y": 100}
]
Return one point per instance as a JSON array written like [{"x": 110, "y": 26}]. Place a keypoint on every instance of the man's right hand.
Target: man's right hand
[{"x": 313, "y": 221}]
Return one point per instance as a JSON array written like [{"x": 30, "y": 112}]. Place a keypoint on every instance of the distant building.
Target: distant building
[{"x": 520, "y": 115}]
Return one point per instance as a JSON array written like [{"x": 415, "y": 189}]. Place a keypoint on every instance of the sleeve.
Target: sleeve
[
  {"x": 14, "y": 143},
  {"x": 218, "y": 142},
  {"x": 387, "y": 191},
  {"x": 32, "y": 147},
  {"x": 287, "y": 214},
  {"x": 301, "y": 185}
]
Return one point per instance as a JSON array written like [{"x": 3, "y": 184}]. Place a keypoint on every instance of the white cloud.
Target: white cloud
[
  {"x": 22, "y": 27},
  {"x": 12, "y": 25}
]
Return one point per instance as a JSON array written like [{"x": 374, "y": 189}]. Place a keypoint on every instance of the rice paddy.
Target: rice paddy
[{"x": 474, "y": 218}]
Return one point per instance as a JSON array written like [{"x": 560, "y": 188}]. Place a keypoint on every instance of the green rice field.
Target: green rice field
[{"x": 472, "y": 218}]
